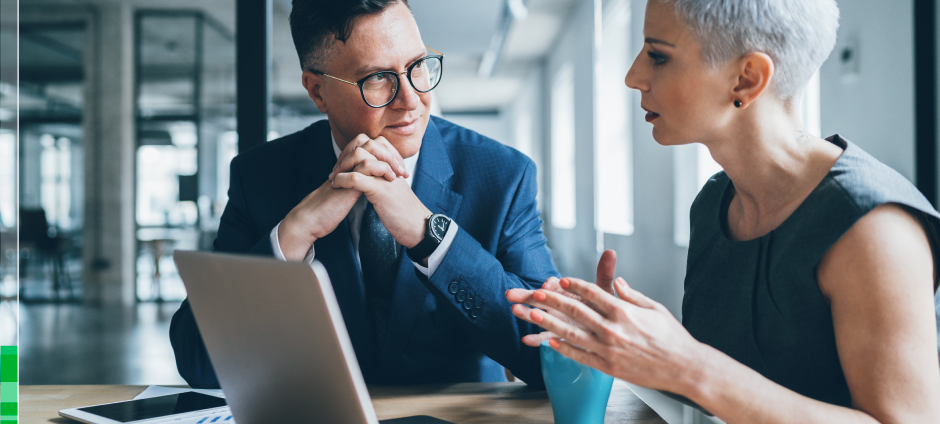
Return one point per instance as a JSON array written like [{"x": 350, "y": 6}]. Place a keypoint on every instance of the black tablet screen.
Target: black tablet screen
[{"x": 142, "y": 409}]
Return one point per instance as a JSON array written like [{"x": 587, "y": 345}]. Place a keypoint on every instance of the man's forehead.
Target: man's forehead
[{"x": 383, "y": 40}]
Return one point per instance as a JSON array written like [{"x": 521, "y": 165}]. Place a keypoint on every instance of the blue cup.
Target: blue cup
[{"x": 578, "y": 392}]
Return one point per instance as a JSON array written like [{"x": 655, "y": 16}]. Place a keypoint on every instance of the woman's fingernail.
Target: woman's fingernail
[
  {"x": 539, "y": 295},
  {"x": 554, "y": 343},
  {"x": 564, "y": 283},
  {"x": 537, "y": 317}
]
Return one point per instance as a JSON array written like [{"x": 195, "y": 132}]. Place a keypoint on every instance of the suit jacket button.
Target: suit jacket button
[
  {"x": 454, "y": 287},
  {"x": 475, "y": 313},
  {"x": 461, "y": 296},
  {"x": 468, "y": 305}
]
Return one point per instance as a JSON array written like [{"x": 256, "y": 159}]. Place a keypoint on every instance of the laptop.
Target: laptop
[{"x": 277, "y": 341}]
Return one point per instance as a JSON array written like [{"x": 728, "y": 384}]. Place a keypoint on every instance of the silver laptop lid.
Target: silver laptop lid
[{"x": 276, "y": 337}]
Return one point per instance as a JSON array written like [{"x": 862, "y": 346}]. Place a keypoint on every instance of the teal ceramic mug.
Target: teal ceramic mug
[{"x": 578, "y": 392}]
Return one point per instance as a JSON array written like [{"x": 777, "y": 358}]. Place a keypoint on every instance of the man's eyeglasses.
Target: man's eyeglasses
[{"x": 380, "y": 88}]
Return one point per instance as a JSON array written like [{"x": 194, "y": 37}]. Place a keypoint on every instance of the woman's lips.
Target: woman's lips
[{"x": 650, "y": 116}]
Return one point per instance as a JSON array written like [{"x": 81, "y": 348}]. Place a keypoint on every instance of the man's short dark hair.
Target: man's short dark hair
[{"x": 315, "y": 23}]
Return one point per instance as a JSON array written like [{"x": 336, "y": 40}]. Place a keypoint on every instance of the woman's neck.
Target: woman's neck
[{"x": 774, "y": 165}]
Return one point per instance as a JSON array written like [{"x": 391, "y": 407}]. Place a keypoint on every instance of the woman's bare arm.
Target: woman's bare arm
[{"x": 879, "y": 279}]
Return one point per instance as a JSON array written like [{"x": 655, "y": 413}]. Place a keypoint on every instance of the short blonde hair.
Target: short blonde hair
[{"x": 797, "y": 34}]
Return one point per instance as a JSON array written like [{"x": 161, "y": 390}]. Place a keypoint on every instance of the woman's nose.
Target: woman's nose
[{"x": 635, "y": 78}]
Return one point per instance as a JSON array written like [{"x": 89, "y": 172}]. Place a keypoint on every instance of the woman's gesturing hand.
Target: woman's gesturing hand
[
  {"x": 606, "y": 267},
  {"x": 633, "y": 338}
]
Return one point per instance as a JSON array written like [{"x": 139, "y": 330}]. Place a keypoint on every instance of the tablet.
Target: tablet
[{"x": 151, "y": 410}]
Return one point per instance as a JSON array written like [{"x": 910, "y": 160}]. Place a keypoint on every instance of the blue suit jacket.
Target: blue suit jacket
[{"x": 435, "y": 335}]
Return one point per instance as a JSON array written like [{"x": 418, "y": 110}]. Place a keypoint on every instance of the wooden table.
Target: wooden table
[{"x": 458, "y": 403}]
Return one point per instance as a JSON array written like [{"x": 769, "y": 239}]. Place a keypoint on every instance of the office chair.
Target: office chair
[{"x": 35, "y": 234}]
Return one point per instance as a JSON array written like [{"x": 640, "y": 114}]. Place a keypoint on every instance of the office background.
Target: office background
[{"x": 129, "y": 113}]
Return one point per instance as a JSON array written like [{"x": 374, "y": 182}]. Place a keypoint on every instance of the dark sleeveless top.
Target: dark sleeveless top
[{"x": 759, "y": 301}]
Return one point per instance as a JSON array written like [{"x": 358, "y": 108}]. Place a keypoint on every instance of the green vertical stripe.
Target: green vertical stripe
[
  {"x": 8, "y": 368},
  {"x": 8, "y": 392},
  {"x": 8, "y": 385}
]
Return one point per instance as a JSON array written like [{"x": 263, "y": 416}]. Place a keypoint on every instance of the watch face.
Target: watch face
[{"x": 439, "y": 224}]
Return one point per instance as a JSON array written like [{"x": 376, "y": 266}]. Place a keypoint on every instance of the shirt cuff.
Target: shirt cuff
[
  {"x": 438, "y": 255},
  {"x": 276, "y": 247}
]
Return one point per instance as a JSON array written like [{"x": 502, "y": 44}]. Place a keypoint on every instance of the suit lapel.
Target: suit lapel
[{"x": 430, "y": 186}]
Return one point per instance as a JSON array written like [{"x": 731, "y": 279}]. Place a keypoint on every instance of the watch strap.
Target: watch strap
[{"x": 423, "y": 249}]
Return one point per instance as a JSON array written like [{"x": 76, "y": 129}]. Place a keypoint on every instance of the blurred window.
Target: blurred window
[
  {"x": 7, "y": 179},
  {"x": 523, "y": 133},
  {"x": 55, "y": 168},
  {"x": 159, "y": 168},
  {"x": 613, "y": 153},
  {"x": 185, "y": 137},
  {"x": 50, "y": 172},
  {"x": 563, "y": 151},
  {"x": 693, "y": 166},
  {"x": 705, "y": 165},
  {"x": 809, "y": 107}
]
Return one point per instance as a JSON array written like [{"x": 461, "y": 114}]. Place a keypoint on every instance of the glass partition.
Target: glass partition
[
  {"x": 51, "y": 155},
  {"x": 563, "y": 149},
  {"x": 185, "y": 106},
  {"x": 613, "y": 152}
]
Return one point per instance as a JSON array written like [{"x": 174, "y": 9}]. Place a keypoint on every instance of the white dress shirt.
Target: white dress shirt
[{"x": 355, "y": 219}]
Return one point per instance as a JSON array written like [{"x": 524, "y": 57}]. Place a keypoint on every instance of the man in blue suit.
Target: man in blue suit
[{"x": 422, "y": 225}]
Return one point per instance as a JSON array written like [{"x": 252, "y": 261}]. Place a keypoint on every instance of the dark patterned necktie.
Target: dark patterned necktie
[{"x": 378, "y": 255}]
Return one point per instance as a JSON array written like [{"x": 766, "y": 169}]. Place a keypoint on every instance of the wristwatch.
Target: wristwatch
[{"x": 436, "y": 227}]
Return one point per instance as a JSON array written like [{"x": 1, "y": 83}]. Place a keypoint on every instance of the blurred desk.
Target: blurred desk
[
  {"x": 160, "y": 241},
  {"x": 458, "y": 403}
]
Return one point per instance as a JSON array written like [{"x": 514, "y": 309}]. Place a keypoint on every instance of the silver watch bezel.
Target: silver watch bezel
[{"x": 430, "y": 226}]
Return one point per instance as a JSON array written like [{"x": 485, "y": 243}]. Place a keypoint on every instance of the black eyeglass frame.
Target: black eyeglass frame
[{"x": 439, "y": 56}]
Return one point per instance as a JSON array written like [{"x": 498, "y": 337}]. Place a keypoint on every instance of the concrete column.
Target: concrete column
[{"x": 109, "y": 256}]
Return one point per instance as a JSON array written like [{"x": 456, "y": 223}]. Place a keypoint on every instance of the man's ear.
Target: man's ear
[
  {"x": 755, "y": 72},
  {"x": 313, "y": 83}
]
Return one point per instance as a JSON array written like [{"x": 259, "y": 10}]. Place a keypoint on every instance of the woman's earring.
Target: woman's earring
[{"x": 737, "y": 103}]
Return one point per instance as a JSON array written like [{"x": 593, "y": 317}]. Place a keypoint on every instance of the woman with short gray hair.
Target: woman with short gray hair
[{"x": 811, "y": 277}]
